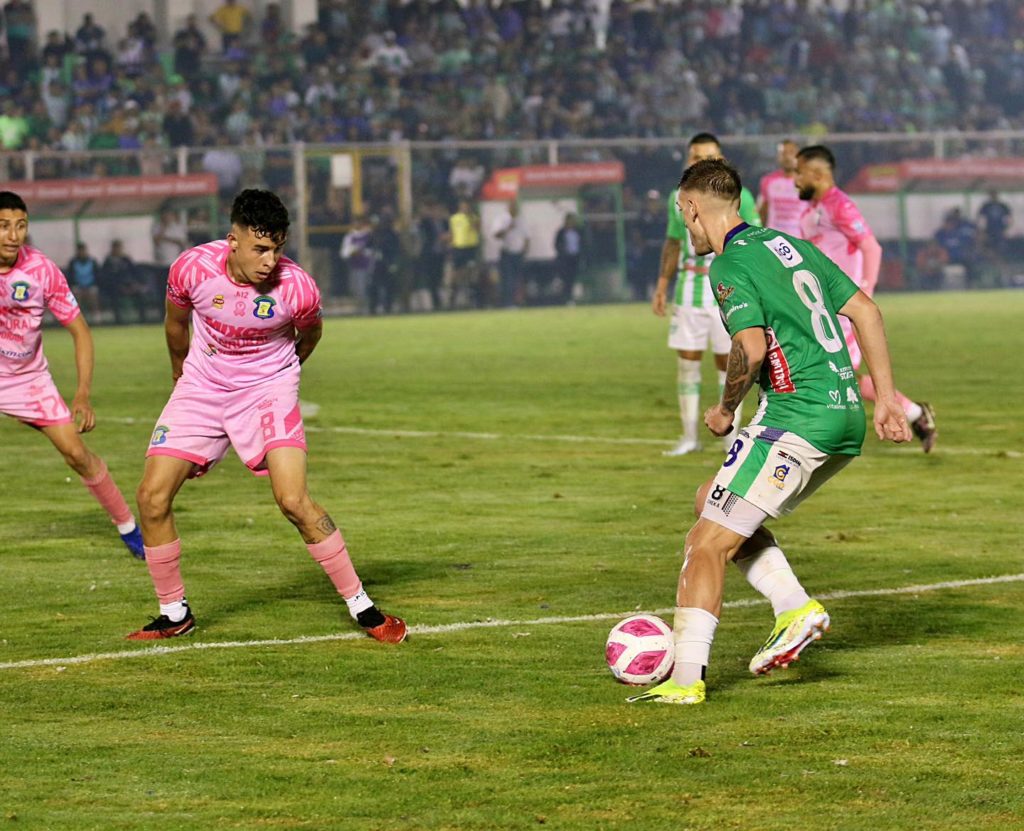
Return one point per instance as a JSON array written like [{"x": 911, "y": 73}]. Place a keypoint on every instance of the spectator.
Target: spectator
[
  {"x": 568, "y": 253},
  {"x": 514, "y": 240},
  {"x": 83, "y": 275},
  {"x": 464, "y": 242},
  {"x": 958, "y": 236},
  {"x": 651, "y": 227},
  {"x": 387, "y": 245},
  {"x": 930, "y": 264},
  {"x": 223, "y": 162},
  {"x": 232, "y": 21},
  {"x": 360, "y": 259},
  {"x": 20, "y": 20},
  {"x": 189, "y": 45},
  {"x": 431, "y": 232},
  {"x": 89, "y": 37},
  {"x": 121, "y": 284},
  {"x": 466, "y": 177},
  {"x": 170, "y": 237},
  {"x": 14, "y": 126},
  {"x": 177, "y": 125},
  {"x": 995, "y": 217}
]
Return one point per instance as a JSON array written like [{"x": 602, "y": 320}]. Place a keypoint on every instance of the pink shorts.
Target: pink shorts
[
  {"x": 33, "y": 398},
  {"x": 200, "y": 422}
]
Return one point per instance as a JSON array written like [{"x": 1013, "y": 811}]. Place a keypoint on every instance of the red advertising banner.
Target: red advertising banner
[
  {"x": 118, "y": 188},
  {"x": 507, "y": 182},
  {"x": 887, "y": 178}
]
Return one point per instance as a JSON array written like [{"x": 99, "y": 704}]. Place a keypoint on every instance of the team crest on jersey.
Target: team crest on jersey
[
  {"x": 779, "y": 476},
  {"x": 264, "y": 307},
  {"x": 724, "y": 292},
  {"x": 20, "y": 291},
  {"x": 159, "y": 435},
  {"x": 218, "y": 301}
]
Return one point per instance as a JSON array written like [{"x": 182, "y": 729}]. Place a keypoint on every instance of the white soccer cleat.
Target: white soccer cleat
[{"x": 683, "y": 447}]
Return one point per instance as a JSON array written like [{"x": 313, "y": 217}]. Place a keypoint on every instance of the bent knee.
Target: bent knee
[
  {"x": 153, "y": 501},
  {"x": 294, "y": 506}
]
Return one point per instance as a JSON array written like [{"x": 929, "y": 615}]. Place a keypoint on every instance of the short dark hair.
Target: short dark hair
[
  {"x": 714, "y": 176},
  {"x": 260, "y": 211},
  {"x": 818, "y": 152},
  {"x": 10, "y": 201},
  {"x": 704, "y": 138}
]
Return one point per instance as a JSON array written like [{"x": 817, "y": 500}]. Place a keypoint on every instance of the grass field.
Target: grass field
[{"x": 499, "y": 479}]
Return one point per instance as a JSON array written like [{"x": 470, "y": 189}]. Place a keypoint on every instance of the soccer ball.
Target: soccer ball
[{"x": 640, "y": 650}]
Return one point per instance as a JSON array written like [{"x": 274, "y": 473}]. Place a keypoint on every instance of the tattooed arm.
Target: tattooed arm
[{"x": 748, "y": 351}]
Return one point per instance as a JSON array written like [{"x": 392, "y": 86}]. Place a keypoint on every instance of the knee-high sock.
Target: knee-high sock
[
  {"x": 688, "y": 388},
  {"x": 333, "y": 557},
  {"x": 693, "y": 632},
  {"x": 102, "y": 487},
  {"x": 164, "y": 564},
  {"x": 911, "y": 409},
  {"x": 731, "y": 436},
  {"x": 769, "y": 572}
]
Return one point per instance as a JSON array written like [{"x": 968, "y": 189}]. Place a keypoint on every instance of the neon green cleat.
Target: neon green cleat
[
  {"x": 794, "y": 630},
  {"x": 669, "y": 692}
]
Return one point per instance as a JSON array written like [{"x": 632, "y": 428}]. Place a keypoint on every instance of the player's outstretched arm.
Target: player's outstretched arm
[
  {"x": 872, "y": 251},
  {"x": 890, "y": 421},
  {"x": 81, "y": 409},
  {"x": 669, "y": 264},
  {"x": 745, "y": 359},
  {"x": 176, "y": 330},
  {"x": 307, "y": 339}
]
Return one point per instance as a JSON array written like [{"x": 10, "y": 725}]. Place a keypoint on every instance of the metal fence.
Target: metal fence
[{"x": 327, "y": 186}]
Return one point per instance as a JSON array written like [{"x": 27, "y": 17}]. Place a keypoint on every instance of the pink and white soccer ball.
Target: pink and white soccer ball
[{"x": 639, "y": 650}]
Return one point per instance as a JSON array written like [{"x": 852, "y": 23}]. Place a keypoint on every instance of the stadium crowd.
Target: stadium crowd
[
  {"x": 239, "y": 87},
  {"x": 380, "y": 71}
]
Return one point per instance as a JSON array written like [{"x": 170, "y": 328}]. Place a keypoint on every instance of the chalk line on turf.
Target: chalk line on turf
[
  {"x": 910, "y": 447},
  {"x": 478, "y": 624}
]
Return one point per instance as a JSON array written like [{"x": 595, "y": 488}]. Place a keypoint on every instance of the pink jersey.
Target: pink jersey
[
  {"x": 836, "y": 226},
  {"x": 33, "y": 285},
  {"x": 785, "y": 206},
  {"x": 240, "y": 335}
]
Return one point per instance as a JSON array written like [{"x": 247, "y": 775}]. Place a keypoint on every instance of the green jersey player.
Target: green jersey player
[
  {"x": 779, "y": 298},
  {"x": 695, "y": 322}
]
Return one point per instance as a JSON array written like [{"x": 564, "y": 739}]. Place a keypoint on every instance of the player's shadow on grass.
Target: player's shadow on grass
[
  {"x": 870, "y": 623},
  {"x": 381, "y": 580}
]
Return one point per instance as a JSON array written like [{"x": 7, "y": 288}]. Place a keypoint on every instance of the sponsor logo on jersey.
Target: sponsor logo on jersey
[
  {"x": 20, "y": 291},
  {"x": 845, "y": 373},
  {"x": 778, "y": 367},
  {"x": 159, "y": 435},
  {"x": 735, "y": 308},
  {"x": 837, "y": 400},
  {"x": 724, "y": 292},
  {"x": 778, "y": 477},
  {"x": 783, "y": 249},
  {"x": 218, "y": 301},
  {"x": 793, "y": 460},
  {"x": 264, "y": 307}
]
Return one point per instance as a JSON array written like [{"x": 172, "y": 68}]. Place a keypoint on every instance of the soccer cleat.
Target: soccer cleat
[
  {"x": 164, "y": 627},
  {"x": 683, "y": 446},
  {"x": 133, "y": 540},
  {"x": 793, "y": 632},
  {"x": 392, "y": 630},
  {"x": 924, "y": 427},
  {"x": 669, "y": 692}
]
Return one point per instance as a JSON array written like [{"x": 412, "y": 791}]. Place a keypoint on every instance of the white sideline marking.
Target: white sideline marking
[
  {"x": 477, "y": 624},
  {"x": 941, "y": 450}
]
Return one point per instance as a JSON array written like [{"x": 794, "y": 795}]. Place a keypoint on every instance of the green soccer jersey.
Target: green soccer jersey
[
  {"x": 787, "y": 287},
  {"x": 692, "y": 287}
]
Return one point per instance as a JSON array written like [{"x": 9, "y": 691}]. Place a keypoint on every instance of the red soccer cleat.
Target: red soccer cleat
[
  {"x": 392, "y": 630},
  {"x": 164, "y": 627}
]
